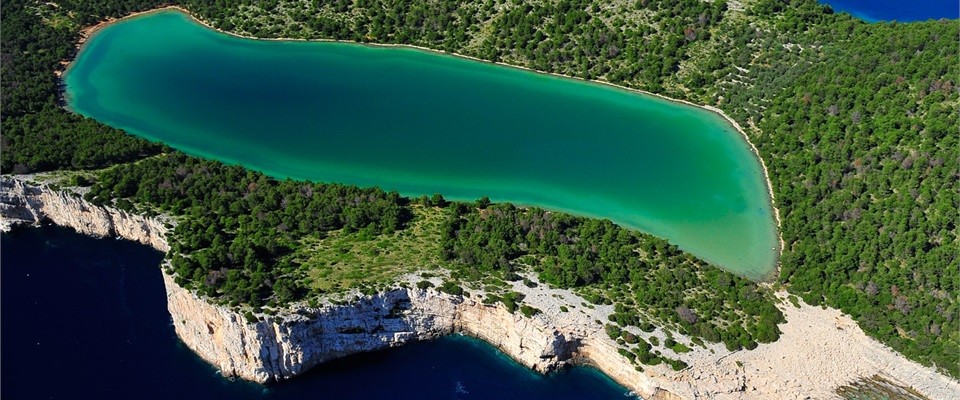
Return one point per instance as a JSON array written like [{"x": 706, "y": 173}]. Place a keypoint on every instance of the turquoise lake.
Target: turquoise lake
[{"x": 421, "y": 123}]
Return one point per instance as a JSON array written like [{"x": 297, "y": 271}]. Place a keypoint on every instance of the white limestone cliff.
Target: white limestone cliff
[
  {"x": 282, "y": 346},
  {"x": 24, "y": 204},
  {"x": 820, "y": 349}
]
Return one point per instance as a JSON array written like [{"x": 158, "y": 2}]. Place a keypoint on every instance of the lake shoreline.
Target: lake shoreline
[{"x": 88, "y": 32}]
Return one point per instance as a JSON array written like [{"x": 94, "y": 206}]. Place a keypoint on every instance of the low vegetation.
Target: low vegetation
[
  {"x": 855, "y": 121},
  {"x": 340, "y": 260}
]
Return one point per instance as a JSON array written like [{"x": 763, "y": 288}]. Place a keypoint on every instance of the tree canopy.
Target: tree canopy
[{"x": 856, "y": 122}]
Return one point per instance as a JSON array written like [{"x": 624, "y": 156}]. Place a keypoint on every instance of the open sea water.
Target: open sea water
[
  {"x": 897, "y": 10},
  {"x": 87, "y": 318}
]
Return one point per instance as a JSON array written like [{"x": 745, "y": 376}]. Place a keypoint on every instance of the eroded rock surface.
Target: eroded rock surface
[
  {"x": 24, "y": 204},
  {"x": 282, "y": 346},
  {"x": 820, "y": 349}
]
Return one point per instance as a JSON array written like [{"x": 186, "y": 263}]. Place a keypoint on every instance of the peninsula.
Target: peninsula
[
  {"x": 276, "y": 346},
  {"x": 252, "y": 293}
]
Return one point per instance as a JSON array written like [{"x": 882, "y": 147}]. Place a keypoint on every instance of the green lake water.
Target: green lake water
[{"x": 423, "y": 123}]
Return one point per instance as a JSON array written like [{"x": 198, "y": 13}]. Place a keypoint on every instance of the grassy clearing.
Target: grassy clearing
[
  {"x": 342, "y": 261},
  {"x": 54, "y": 16}
]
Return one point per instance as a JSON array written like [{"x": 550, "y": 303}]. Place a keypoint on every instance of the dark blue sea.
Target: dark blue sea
[
  {"x": 897, "y": 10},
  {"x": 87, "y": 318}
]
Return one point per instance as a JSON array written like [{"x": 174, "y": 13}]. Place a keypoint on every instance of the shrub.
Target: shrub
[
  {"x": 451, "y": 287},
  {"x": 677, "y": 365},
  {"x": 529, "y": 311},
  {"x": 613, "y": 331},
  {"x": 250, "y": 317},
  {"x": 512, "y": 301},
  {"x": 626, "y": 353}
]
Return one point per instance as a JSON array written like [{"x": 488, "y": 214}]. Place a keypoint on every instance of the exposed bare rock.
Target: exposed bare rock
[
  {"x": 24, "y": 204},
  {"x": 820, "y": 350},
  {"x": 279, "y": 347}
]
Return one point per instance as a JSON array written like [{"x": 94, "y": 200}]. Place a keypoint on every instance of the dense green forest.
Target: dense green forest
[
  {"x": 855, "y": 121},
  {"x": 862, "y": 150},
  {"x": 39, "y": 135},
  {"x": 240, "y": 228}
]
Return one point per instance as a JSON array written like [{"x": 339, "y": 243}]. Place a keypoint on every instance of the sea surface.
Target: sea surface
[
  {"x": 87, "y": 318},
  {"x": 897, "y": 10},
  {"x": 421, "y": 123}
]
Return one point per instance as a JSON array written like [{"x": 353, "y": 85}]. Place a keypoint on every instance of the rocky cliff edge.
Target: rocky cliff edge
[
  {"x": 820, "y": 348},
  {"x": 25, "y": 204}
]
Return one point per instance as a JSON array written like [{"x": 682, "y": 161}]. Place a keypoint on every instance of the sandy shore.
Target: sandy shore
[{"x": 88, "y": 31}]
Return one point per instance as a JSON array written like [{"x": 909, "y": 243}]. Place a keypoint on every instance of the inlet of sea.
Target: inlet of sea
[
  {"x": 86, "y": 318},
  {"x": 897, "y": 10}
]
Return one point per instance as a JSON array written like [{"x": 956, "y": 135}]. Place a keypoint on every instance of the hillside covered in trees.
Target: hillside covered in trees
[{"x": 855, "y": 121}]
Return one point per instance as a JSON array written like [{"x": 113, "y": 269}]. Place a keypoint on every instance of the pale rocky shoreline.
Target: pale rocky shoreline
[{"x": 820, "y": 349}]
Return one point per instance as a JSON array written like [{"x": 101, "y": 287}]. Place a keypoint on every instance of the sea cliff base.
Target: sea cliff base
[{"x": 821, "y": 349}]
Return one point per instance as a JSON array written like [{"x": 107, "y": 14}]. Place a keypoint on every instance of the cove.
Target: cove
[
  {"x": 897, "y": 10},
  {"x": 419, "y": 122},
  {"x": 89, "y": 320}
]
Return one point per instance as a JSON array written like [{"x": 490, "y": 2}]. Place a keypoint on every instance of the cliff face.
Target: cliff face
[
  {"x": 282, "y": 346},
  {"x": 279, "y": 347},
  {"x": 23, "y": 204}
]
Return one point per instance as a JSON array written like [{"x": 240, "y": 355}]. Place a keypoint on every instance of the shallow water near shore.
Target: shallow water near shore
[
  {"x": 87, "y": 318},
  {"x": 423, "y": 123}
]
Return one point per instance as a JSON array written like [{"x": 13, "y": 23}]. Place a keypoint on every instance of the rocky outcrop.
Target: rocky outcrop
[
  {"x": 278, "y": 347},
  {"x": 273, "y": 348},
  {"x": 820, "y": 349},
  {"x": 24, "y": 204},
  {"x": 602, "y": 354},
  {"x": 282, "y": 346}
]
